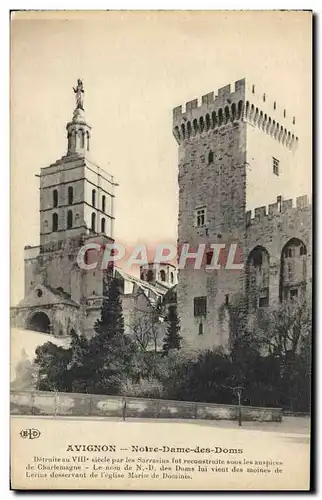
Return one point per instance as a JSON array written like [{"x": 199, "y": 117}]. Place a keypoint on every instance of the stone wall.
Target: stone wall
[
  {"x": 56, "y": 404},
  {"x": 226, "y": 147}
]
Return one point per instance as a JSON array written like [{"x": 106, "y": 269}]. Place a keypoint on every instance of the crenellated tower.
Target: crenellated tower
[{"x": 238, "y": 150}]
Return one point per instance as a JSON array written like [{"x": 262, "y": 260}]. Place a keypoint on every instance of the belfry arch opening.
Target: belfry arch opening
[{"x": 39, "y": 322}]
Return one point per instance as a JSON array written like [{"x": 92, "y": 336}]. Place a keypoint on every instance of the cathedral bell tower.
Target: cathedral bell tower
[{"x": 76, "y": 195}]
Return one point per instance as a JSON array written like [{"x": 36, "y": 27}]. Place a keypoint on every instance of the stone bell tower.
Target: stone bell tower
[
  {"x": 76, "y": 195},
  {"x": 76, "y": 208}
]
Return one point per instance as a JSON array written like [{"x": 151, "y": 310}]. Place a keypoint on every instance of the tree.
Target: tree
[
  {"x": 109, "y": 350},
  {"x": 285, "y": 327},
  {"x": 286, "y": 334},
  {"x": 26, "y": 374},
  {"x": 80, "y": 368},
  {"x": 172, "y": 338},
  {"x": 53, "y": 362}
]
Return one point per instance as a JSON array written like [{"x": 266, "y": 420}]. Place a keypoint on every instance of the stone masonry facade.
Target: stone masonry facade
[{"x": 237, "y": 149}]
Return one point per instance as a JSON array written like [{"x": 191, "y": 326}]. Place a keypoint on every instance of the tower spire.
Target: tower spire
[{"x": 78, "y": 131}]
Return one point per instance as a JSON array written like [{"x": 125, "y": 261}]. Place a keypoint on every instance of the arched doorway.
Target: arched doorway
[{"x": 39, "y": 322}]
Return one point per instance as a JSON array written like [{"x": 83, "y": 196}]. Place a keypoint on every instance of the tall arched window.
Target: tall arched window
[
  {"x": 70, "y": 195},
  {"x": 93, "y": 223},
  {"x": 87, "y": 136},
  {"x": 55, "y": 222},
  {"x": 55, "y": 198},
  {"x": 103, "y": 202},
  {"x": 103, "y": 225},
  {"x": 162, "y": 275},
  {"x": 93, "y": 198},
  {"x": 69, "y": 219},
  {"x": 172, "y": 277}
]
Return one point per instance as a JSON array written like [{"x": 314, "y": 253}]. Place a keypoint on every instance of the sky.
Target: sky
[{"x": 136, "y": 67}]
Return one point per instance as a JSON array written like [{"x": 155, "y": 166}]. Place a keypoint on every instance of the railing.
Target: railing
[{"x": 78, "y": 404}]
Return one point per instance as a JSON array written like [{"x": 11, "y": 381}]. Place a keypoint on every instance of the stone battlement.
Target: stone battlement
[
  {"x": 281, "y": 207},
  {"x": 232, "y": 103}
]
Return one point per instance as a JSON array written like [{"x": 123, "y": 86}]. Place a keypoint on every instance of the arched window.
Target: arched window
[
  {"x": 172, "y": 278},
  {"x": 87, "y": 136},
  {"x": 103, "y": 225},
  {"x": 93, "y": 222},
  {"x": 210, "y": 157},
  {"x": 162, "y": 275},
  {"x": 55, "y": 222},
  {"x": 55, "y": 198},
  {"x": 103, "y": 202},
  {"x": 94, "y": 198},
  {"x": 149, "y": 276},
  {"x": 303, "y": 250},
  {"x": 70, "y": 195},
  {"x": 69, "y": 219}
]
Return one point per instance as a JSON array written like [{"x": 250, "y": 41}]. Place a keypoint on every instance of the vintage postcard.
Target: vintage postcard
[{"x": 161, "y": 229}]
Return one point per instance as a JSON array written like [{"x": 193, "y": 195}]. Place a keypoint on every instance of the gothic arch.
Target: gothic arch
[
  {"x": 257, "y": 277},
  {"x": 220, "y": 117},
  {"x": 251, "y": 114},
  {"x": 207, "y": 121},
  {"x": 195, "y": 126},
  {"x": 264, "y": 123},
  {"x": 233, "y": 112},
  {"x": 183, "y": 131},
  {"x": 189, "y": 129},
  {"x": 293, "y": 270},
  {"x": 269, "y": 126},
  {"x": 240, "y": 110},
  {"x": 214, "y": 119},
  {"x": 39, "y": 322},
  {"x": 177, "y": 133},
  {"x": 227, "y": 114},
  {"x": 256, "y": 116},
  {"x": 201, "y": 124}
]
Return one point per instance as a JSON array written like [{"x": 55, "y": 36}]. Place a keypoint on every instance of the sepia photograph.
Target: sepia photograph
[{"x": 161, "y": 250}]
